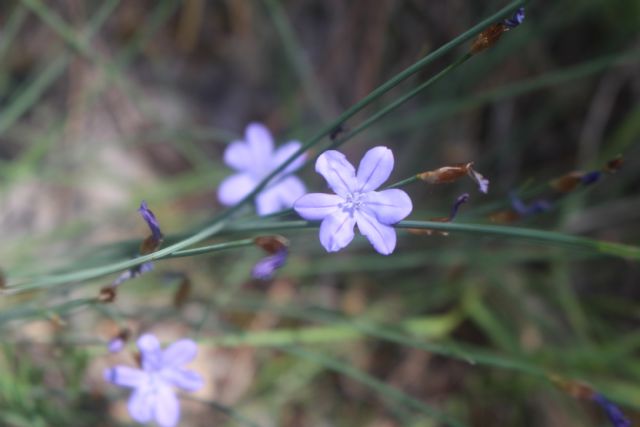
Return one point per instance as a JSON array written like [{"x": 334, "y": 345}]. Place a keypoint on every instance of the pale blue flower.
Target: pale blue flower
[
  {"x": 254, "y": 158},
  {"x": 355, "y": 201},
  {"x": 153, "y": 397}
]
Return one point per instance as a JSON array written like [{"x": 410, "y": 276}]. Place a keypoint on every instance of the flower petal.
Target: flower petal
[
  {"x": 375, "y": 168},
  {"x": 381, "y": 236},
  {"x": 150, "y": 351},
  {"x": 237, "y": 155},
  {"x": 125, "y": 376},
  {"x": 315, "y": 206},
  {"x": 284, "y": 152},
  {"x": 336, "y": 231},
  {"x": 260, "y": 143},
  {"x": 141, "y": 404},
  {"x": 166, "y": 410},
  {"x": 183, "y": 378},
  {"x": 268, "y": 201},
  {"x": 234, "y": 188},
  {"x": 388, "y": 206},
  {"x": 290, "y": 189},
  {"x": 280, "y": 195},
  {"x": 179, "y": 353},
  {"x": 339, "y": 173}
]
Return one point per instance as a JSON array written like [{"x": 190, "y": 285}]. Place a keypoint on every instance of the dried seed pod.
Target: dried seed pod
[{"x": 488, "y": 38}]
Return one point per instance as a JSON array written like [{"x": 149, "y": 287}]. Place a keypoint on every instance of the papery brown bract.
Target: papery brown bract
[
  {"x": 107, "y": 294},
  {"x": 504, "y": 217},
  {"x": 568, "y": 182},
  {"x": 576, "y": 389},
  {"x": 271, "y": 244},
  {"x": 488, "y": 38},
  {"x": 446, "y": 174}
]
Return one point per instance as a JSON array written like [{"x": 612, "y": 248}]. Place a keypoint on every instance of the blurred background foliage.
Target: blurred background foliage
[{"x": 105, "y": 103}]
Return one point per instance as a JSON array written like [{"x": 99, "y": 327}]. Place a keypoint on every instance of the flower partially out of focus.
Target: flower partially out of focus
[
  {"x": 355, "y": 201},
  {"x": 132, "y": 273},
  {"x": 570, "y": 181},
  {"x": 278, "y": 249},
  {"x": 533, "y": 208},
  {"x": 449, "y": 174},
  {"x": 254, "y": 158},
  {"x": 153, "y": 397},
  {"x": 614, "y": 413}
]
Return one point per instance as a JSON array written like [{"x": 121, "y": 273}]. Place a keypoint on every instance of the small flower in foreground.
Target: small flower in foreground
[
  {"x": 355, "y": 201},
  {"x": 254, "y": 159},
  {"x": 153, "y": 397},
  {"x": 614, "y": 413}
]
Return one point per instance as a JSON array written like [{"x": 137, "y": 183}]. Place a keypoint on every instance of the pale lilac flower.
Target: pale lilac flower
[
  {"x": 153, "y": 397},
  {"x": 255, "y": 158},
  {"x": 355, "y": 201},
  {"x": 483, "y": 183},
  {"x": 267, "y": 266}
]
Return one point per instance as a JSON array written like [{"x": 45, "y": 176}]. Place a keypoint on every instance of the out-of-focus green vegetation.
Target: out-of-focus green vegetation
[{"x": 106, "y": 103}]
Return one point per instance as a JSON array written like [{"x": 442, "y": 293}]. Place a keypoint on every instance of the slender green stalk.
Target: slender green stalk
[{"x": 551, "y": 237}]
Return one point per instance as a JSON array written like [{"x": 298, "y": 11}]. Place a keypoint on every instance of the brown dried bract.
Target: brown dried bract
[
  {"x": 568, "y": 182},
  {"x": 149, "y": 245},
  {"x": 446, "y": 174},
  {"x": 107, "y": 294},
  {"x": 488, "y": 38},
  {"x": 271, "y": 244},
  {"x": 504, "y": 217},
  {"x": 573, "y": 388}
]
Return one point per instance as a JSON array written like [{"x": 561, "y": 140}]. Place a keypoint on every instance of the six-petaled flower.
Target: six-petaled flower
[
  {"x": 153, "y": 397},
  {"x": 356, "y": 201},
  {"x": 254, "y": 159}
]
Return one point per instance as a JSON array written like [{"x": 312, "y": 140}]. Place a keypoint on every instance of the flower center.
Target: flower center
[{"x": 353, "y": 202}]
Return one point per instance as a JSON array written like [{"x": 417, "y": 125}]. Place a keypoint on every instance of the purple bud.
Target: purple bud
[
  {"x": 536, "y": 207},
  {"x": 614, "y": 413},
  {"x": 462, "y": 199},
  {"x": 516, "y": 19},
  {"x": 267, "y": 266},
  {"x": 151, "y": 221},
  {"x": 133, "y": 272},
  {"x": 591, "y": 177},
  {"x": 115, "y": 345}
]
